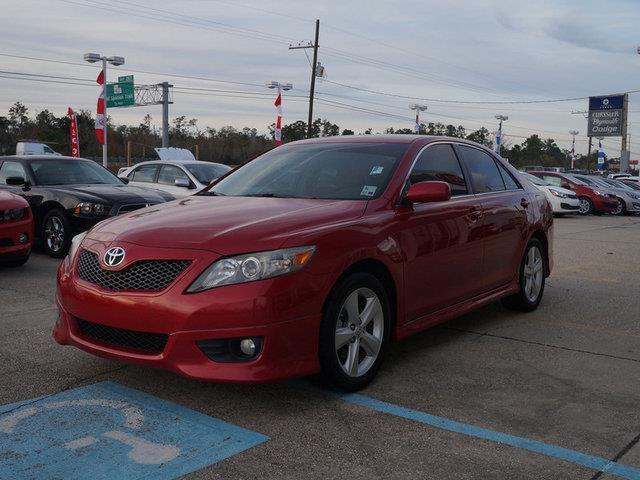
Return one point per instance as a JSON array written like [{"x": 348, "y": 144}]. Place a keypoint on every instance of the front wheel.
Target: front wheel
[
  {"x": 56, "y": 233},
  {"x": 531, "y": 279},
  {"x": 621, "y": 208},
  {"x": 354, "y": 333},
  {"x": 586, "y": 206}
]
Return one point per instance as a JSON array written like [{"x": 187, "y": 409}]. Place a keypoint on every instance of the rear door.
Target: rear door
[
  {"x": 504, "y": 215},
  {"x": 167, "y": 181},
  {"x": 144, "y": 175},
  {"x": 441, "y": 240}
]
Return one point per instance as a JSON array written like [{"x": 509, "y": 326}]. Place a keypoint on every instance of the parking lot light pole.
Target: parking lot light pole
[
  {"x": 280, "y": 86},
  {"x": 113, "y": 60},
  {"x": 573, "y": 147},
  {"x": 418, "y": 109},
  {"x": 502, "y": 118}
]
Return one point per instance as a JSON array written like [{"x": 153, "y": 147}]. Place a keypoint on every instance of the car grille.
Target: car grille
[
  {"x": 120, "y": 337},
  {"x": 133, "y": 206},
  {"x": 6, "y": 242},
  {"x": 571, "y": 195},
  {"x": 145, "y": 275}
]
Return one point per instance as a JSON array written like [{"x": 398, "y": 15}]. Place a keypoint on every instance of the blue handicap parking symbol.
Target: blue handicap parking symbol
[{"x": 106, "y": 431}]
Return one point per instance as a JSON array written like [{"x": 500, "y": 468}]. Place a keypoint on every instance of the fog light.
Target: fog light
[
  {"x": 248, "y": 347},
  {"x": 23, "y": 238}
]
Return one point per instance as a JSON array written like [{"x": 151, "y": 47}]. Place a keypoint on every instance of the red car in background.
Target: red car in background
[
  {"x": 592, "y": 200},
  {"x": 16, "y": 230},
  {"x": 308, "y": 259}
]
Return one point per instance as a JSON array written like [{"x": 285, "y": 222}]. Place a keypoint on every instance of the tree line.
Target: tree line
[{"x": 231, "y": 145}]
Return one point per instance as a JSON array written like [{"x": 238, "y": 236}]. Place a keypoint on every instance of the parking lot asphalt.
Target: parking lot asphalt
[{"x": 566, "y": 376}]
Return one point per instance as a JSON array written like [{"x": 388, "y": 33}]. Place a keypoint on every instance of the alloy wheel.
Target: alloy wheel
[
  {"x": 359, "y": 332},
  {"x": 533, "y": 274},
  {"x": 618, "y": 210},
  {"x": 54, "y": 233},
  {"x": 584, "y": 206}
]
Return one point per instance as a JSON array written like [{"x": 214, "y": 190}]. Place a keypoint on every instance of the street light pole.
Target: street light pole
[
  {"x": 113, "y": 60},
  {"x": 280, "y": 86},
  {"x": 573, "y": 148},
  {"x": 499, "y": 134},
  {"x": 418, "y": 109}
]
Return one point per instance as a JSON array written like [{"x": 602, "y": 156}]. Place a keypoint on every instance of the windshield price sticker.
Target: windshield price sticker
[
  {"x": 376, "y": 170},
  {"x": 368, "y": 191}
]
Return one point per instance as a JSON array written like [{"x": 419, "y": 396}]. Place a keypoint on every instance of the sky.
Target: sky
[{"x": 429, "y": 52}]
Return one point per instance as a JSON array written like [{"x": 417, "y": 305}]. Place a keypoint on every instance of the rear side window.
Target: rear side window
[
  {"x": 508, "y": 180},
  {"x": 439, "y": 162},
  {"x": 484, "y": 172},
  {"x": 145, "y": 173},
  {"x": 169, "y": 174},
  {"x": 11, "y": 169}
]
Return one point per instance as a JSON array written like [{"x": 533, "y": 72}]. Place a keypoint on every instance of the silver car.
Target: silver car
[{"x": 628, "y": 198}]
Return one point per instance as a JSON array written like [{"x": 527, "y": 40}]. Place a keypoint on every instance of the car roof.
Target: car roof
[
  {"x": 42, "y": 157},
  {"x": 384, "y": 138},
  {"x": 177, "y": 163}
]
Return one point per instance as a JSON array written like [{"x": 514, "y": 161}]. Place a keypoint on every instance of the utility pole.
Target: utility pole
[
  {"x": 589, "y": 153},
  {"x": 418, "y": 109},
  {"x": 573, "y": 147},
  {"x": 165, "y": 114},
  {"x": 499, "y": 133},
  {"x": 314, "y": 67},
  {"x": 624, "y": 154}
]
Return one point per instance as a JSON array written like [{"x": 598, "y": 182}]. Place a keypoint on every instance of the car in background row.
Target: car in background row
[
  {"x": 16, "y": 230},
  {"x": 592, "y": 200},
  {"x": 562, "y": 200},
  {"x": 180, "y": 178},
  {"x": 628, "y": 199},
  {"x": 309, "y": 259},
  {"x": 70, "y": 195}
]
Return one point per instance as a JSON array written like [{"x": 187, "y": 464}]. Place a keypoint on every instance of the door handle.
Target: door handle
[
  {"x": 524, "y": 203},
  {"x": 474, "y": 214}
]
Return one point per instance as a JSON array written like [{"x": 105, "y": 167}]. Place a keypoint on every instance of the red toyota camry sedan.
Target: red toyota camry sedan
[{"x": 308, "y": 259}]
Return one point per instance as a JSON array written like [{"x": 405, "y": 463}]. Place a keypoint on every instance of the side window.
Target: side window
[
  {"x": 169, "y": 174},
  {"x": 485, "y": 175},
  {"x": 439, "y": 162},
  {"x": 144, "y": 173},
  {"x": 11, "y": 169},
  {"x": 508, "y": 180}
]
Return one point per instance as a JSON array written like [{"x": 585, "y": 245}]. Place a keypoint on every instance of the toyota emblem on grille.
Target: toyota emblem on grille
[{"x": 114, "y": 256}]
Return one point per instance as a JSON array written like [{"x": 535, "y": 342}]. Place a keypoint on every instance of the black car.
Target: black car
[{"x": 70, "y": 195}]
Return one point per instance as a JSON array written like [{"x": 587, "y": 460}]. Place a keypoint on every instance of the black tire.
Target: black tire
[
  {"x": 522, "y": 301},
  {"x": 56, "y": 244},
  {"x": 332, "y": 374},
  {"x": 586, "y": 206},
  {"x": 18, "y": 262}
]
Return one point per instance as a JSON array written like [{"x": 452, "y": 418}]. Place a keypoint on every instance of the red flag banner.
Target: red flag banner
[
  {"x": 73, "y": 133},
  {"x": 100, "y": 120},
  {"x": 278, "y": 131}
]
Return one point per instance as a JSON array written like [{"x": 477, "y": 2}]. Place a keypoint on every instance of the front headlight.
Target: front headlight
[
  {"x": 251, "y": 267},
  {"x": 13, "y": 214},
  {"x": 88, "y": 208},
  {"x": 73, "y": 249},
  {"x": 558, "y": 193},
  {"x": 598, "y": 192}
]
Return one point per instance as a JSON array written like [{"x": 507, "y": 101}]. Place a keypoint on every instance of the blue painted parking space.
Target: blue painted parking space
[
  {"x": 106, "y": 431},
  {"x": 597, "y": 464}
]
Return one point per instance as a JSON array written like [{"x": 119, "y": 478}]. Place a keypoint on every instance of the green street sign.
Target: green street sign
[
  {"x": 120, "y": 95},
  {"x": 126, "y": 79}
]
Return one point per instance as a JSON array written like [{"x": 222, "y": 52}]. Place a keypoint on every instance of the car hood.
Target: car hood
[
  {"x": 227, "y": 225},
  {"x": 10, "y": 200},
  {"x": 111, "y": 194},
  {"x": 566, "y": 191}
]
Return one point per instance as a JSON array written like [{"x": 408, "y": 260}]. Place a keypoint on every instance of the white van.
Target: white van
[{"x": 34, "y": 148}]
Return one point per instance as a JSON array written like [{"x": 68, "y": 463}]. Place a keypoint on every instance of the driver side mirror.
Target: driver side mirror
[
  {"x": 182, "y": 182},
  {"x": 19, "y": 181},
  {"x": 425, "y": 192}
]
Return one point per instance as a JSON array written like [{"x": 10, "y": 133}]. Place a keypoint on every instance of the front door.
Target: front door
[{"x": 442, "y": 241}]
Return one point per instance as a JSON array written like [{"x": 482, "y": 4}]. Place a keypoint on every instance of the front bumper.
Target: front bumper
[
  {"x": 284, "y": 311},
  {"x": 10, "y": 246}
]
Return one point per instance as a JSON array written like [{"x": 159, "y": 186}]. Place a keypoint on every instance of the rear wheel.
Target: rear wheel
[
  {"x": 56, "y": 233},
  {"x": 586, "y": 206},
  {"x": 531, "y": 279},
  {"x": 354, "y": 333}
]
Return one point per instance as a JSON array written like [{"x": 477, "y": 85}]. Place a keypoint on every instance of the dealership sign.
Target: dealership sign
[{"x": 606, "y": 116}]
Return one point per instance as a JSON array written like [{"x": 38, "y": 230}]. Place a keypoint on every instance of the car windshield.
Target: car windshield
[
  {"x": 535, "y": 180},
  {"x": 207, "y": 172},
  {"x": 616, "y": 184},
  {"x": 632, "y": 185},
  {"x": 340, "y": 171},
  {"x": 61, "y": 171}
]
